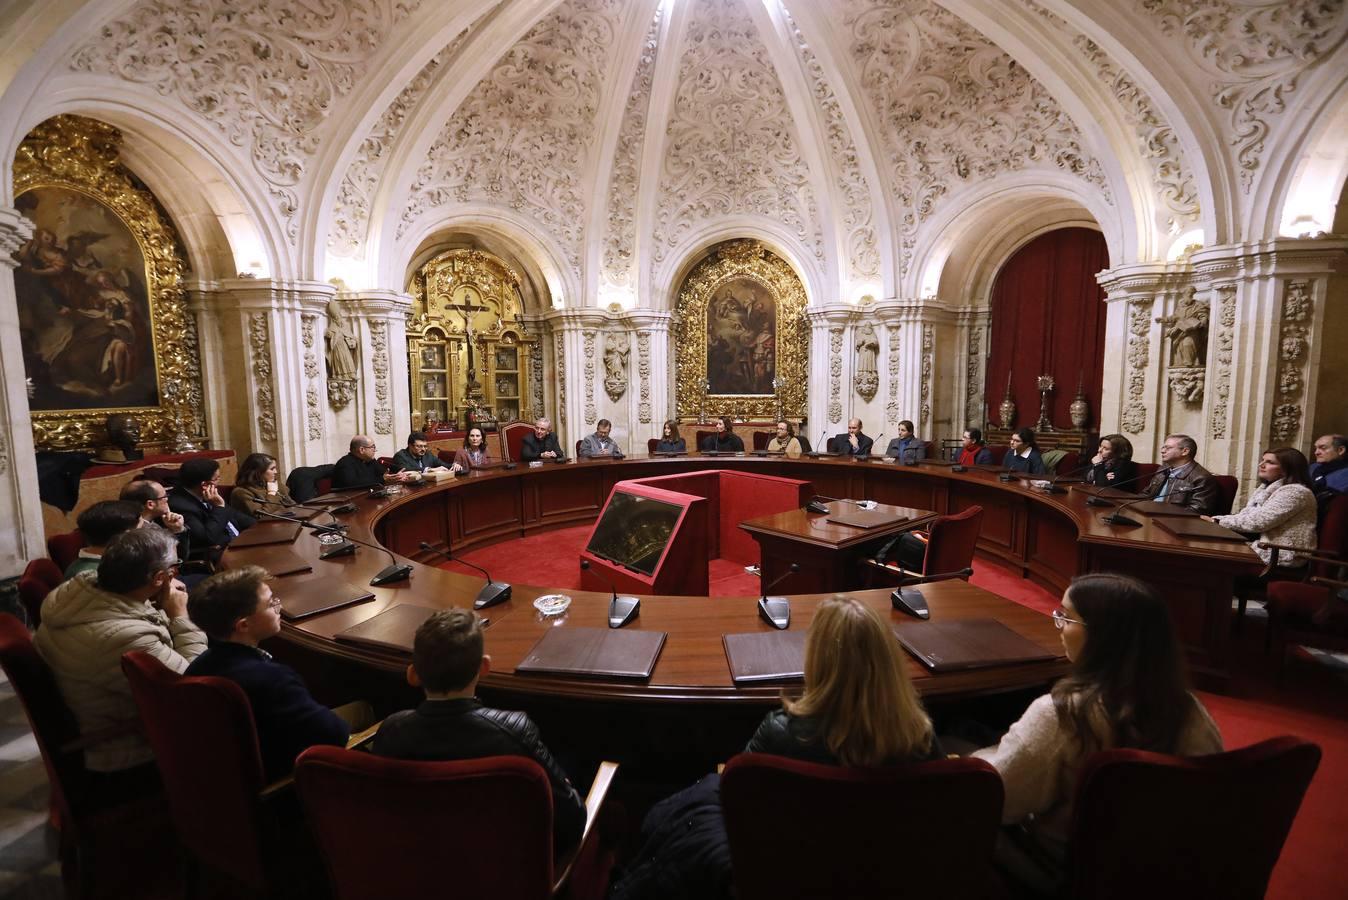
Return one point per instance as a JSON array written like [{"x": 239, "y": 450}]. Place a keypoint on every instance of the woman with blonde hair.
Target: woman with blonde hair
[{"x": 859, "y": 707}]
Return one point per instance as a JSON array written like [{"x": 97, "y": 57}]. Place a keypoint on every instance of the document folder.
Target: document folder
[
  {"x": 311, "y": 596},
  {"x": 968, "y": 644},
  {"x": 594, "y": 653},
  {"x": 264, "y": 533},
  {"x": 867, "y": 518},
  {"x": 279, "y": 561},
  {"x": 393, "y": 629},
  {"x": 1197, "y": 528},
  {"x": 759, "y": 656}
]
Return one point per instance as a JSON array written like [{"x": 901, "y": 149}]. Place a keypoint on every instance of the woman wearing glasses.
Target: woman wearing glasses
[{"x": 1127, "y": 688}]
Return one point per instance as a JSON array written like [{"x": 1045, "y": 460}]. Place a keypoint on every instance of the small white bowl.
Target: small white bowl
[
  {"x": 552, "y": 604},
  {"x": 1041, "y": 484}
]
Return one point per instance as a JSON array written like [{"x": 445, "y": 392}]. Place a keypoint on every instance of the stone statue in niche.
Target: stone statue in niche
[
  {"x": 616, "y": 352},
  {"x": 867, "y": 378},
  {"x": 340, "y": 349},
  {"x": 1188, "y": 328}
]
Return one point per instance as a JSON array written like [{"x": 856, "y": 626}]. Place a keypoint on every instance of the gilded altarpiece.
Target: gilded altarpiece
[
  {"x": 468, "y": 352},
  {"x": 742, "y": 340},
  {"x": 102, "y": 313}
]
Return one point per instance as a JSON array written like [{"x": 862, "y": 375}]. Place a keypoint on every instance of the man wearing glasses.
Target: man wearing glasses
[
  {"x": 359, "y": 468},
  {"x": 211, "y": 524},
  {"x": 134, "y": 601},
  {"x": 417, "y": 457}
]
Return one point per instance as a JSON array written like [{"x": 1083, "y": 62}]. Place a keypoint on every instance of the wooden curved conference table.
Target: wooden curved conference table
[{"x": 1049, "y": 537}]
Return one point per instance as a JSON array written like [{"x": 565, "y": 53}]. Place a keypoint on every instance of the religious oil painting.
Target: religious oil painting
[
  {"x": 84, "y": 310},
  {"x": 741, "y": 338}
]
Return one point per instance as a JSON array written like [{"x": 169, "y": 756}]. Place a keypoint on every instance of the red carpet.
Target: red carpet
[{"x": 1311, "y": 705}]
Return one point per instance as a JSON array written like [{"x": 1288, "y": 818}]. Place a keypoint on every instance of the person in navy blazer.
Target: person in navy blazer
[
  {"x": 237, "y": 609},
  {"x": 1024, "y": 455}
]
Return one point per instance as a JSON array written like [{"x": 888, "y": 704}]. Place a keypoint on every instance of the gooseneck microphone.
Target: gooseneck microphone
[
  {"x": 621, "y": 610},
  {"x": 492, "y": 593},
  {"x": 912, "y": 601},
  {"x": 393, "y": 572},
  {"x": 1101, "y": 501},
  {"x": 345, "y": 507},
  {"x": 874, "y": 443},
  {"x": 1053, "y": 482},
  {"x": 776, "y": 611},
  {"x": 1115, "y": 518}
]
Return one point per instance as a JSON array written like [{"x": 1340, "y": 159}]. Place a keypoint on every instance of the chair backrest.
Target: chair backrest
[
  {"x": 303, "y": 482},
  {"x": 952, "y": 541},
  {"x": 64, "y": 549},
  {"x": 53, "y": 723},
  {"x": 1145, "y": 473},
  {"x": 513, "y": 436},
  {"x": 205, "y": 743},
  {"x": 1206, "y": 826},
  {"x": 165, "y": 475},
  {"x": 1332, "y": 537},
  {"x": 805, "y": 830},
  {"x": 652, "y": 444},
  {"x": 804, "y": 442},
  {"x": 383, "y": 826},
  {"x": 1228, "y": 485},
  {"x": 998, "y": 452},
  {"x": 578, "y": 443},
  {"x": 761, "y": 439},
  {"x": 1070, "y": 462},
  {"x": 386, "y": 462},
  {"x": 40, "y": 577}
]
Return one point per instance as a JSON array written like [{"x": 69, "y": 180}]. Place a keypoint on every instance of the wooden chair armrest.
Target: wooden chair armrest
[
  {"x": 1319, "y": 555},
  {"x": 362, "y": 737},
  {"x": 1329, "y": 582},
  {"x": 278, "y": 786},
  {"x": 594, "y": 802},
  {"x": 89, "y": 739}
]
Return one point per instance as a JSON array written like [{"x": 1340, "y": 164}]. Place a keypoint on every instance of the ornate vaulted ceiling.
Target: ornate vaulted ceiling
[{"x": 611, "y": 139}]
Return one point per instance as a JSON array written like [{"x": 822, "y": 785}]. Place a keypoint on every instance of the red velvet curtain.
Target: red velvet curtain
[{"x": 1048, "y": 318}]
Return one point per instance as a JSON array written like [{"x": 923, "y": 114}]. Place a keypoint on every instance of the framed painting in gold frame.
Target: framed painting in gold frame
[
  {"x": 103, "y": 320},
  {"x": 743, "y": 343}
]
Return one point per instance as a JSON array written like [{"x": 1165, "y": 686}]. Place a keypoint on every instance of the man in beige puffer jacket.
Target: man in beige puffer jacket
[{"x": 133, "y": 602}]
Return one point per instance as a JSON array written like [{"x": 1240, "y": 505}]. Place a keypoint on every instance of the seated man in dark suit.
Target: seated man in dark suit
[
  {"x": 1182, "y": 480},
  {"x": 541, "y": 443},
  {"x": 359, "y": 468},
  {"x": 210, "y": 522},
  {"x": 417, "y": 456},
  {"x": 853, "y": 443},
  {"x": 237, "y": 609},
  {"x": 725, "y": 440},
  {"x": 451, "y": 723}
]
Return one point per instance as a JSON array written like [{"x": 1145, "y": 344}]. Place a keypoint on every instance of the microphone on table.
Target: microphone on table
[
  {"x": 913, "y": 602},
  {"x": 1053, "y": 482},
  {"x": 621, "y": 610},
  {"x": 345, "y": 507},
  {"x": 492, "y": 593},
  {"x": 1101, "y": 501},
  {"x": 776, "y": 611},
  {"x": 393, "y": 572},
  {"x": 867, "y": 456},
  {"x": 1115, "y": 518}
]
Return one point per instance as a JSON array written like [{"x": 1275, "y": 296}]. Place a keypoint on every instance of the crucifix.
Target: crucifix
[{"x": 467, "y": 309}]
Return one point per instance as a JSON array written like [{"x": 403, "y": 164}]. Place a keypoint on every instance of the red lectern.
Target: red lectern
[{"x": 648, "y": 541}]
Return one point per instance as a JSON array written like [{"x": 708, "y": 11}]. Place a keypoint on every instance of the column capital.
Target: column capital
[
  {"x": 377, "y": 302},
  {"x": 1306, "y": 257},
  {"x": 649, "y": 319},
  {"x": 15, "y": 230},
  {"x": 1127, "y": 281},
  {"x": 832, "y": 315}
]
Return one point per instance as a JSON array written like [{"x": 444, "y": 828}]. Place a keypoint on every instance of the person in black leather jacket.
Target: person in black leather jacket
[
  {"x": 451, "y": 723},
  {"x": 685, "y": 852}
]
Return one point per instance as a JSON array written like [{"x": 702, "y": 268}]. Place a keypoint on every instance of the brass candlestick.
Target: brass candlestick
[{"x": 1045, "y": 385}]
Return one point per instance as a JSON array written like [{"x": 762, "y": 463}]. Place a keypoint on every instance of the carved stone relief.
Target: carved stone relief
[
  {"x": 928, "y": 365},
  {"x": 616, "y": 352},
  {"x": 1134, "y": 418},
  {"x": 863, "y": 257},
  {"x": 259, "y": 345},
  {"x": 379, "y": 362},
  {"x": 892, "y": 412},
  {"x": 1293, "y": 342},
  {"x": 1254, "y": 55},
  {"x": 866, "y": 378},
  {"x": 4, "y": 455},
  {"x": 835, "y": 343},
  {"x": 731, "y": 146},
  {"x": 973, "y": 373},
  {"x": 644, "y": 372},
  {"x": 523, "y": 137},
  {"x": 559, "y": 366},
  {"x": 313, "y": 414},
  {"x": 536, "y": 377},
  {"x": 624, "y": 178},
  {"x": 267, "y": 74},
  {"x": 591, "y": 412},
  {"x": 1188, "y": 334},
  {"x": 953, "y": 107},
  {"x": 1226, "y": 335}
]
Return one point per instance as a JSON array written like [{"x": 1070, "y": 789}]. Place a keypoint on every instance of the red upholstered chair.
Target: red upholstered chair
[
  {"x": 1151, "y": 825},
  {"x": 1070, "y": 462},
  {"x": 1145, "y": 473},
  {"x": 803, "y": 830},
  {"x": 165, "y": 475},
  {"x": 761, "y": 439},
  {"x": 578, "y": 443},
  {"x": 998, "y": 453},
  {"x": 1228, "y": 484},
  {"x": 205, "y": 744},
  {"x": 40, "y": 577},
  {"x": 1310, "y": 612},
  {"x": 702, "y": 436},
  {"x": 513, "y": 435},
  {"x": 651, "y": 444},
  {"x": 64, "y": 549},
  {"x": 384, "y": 825},
  {"x": 89, "y": 821},
  {"x": 950, "y": 548}
]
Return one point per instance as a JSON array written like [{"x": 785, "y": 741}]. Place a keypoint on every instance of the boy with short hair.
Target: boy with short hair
[{"x": 451, "y": 723}]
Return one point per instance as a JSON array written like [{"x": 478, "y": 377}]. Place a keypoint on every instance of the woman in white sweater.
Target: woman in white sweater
[
  {"x": 1282, "y": 508},
  {"x": 1127, "y": 688}
]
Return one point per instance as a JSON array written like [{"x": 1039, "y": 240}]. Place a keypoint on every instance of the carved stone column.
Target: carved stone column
[
  {"x": 382, "y": 405},
  {"x": 830, "y": 363},
  {"x": 1132, "y": 393},
  {"x": 651, "y": 395},
  {"x": 257, "y": 336},
  {"x": 577, "y": 349},
  {"x": 970, "y": 375},
  {"x": 22, "y": 537}
]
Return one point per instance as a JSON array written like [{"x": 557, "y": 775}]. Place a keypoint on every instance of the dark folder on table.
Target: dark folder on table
[
  {"x": 765, "y": 656},
  {"x": 279, "y": 561},
  {"x": 1199, "y": 528},
  {"x": 968, "y": 644},
  {"x": 393, "y": 629},
  {"x": 1161, "y": 508},
  {"x": 866, "y": 518},
  {"x": 311, "y": 596},
  {"x": 264, "y": 533},
  {"x": 299, "y": 515},
  {"x": 594, "y": 653}
]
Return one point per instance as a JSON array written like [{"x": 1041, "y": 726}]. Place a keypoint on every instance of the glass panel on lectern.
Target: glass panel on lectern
[{"x": 634, "y": 531}]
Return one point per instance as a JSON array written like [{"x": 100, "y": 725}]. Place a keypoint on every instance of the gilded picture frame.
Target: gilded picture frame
[
  {"x": 742, "y": 339},
  {"x": 106, "y": 265}
]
